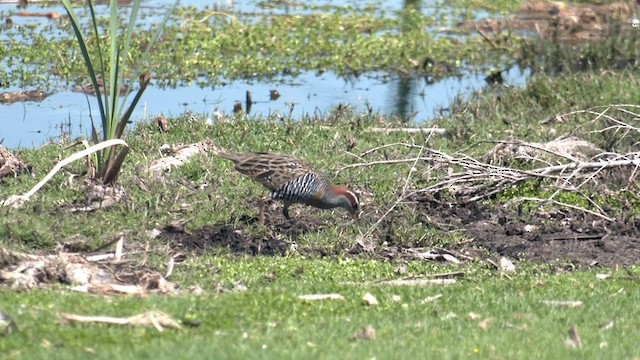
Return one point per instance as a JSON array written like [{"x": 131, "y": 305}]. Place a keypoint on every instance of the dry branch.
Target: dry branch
[
  {"x": 157, "y": 319},
  {"x": 18, "y": 200},
  {"x": 570, "y": 164}
]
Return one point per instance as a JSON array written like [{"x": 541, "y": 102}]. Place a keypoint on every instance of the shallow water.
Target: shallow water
[{"x": 31, "y": 124}]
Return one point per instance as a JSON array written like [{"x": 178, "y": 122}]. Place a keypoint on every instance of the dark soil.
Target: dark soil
[
  {"x": 559, "y": 237},
  {"x": 274, "y": 238},
  {"x": 564, "y": 238}
]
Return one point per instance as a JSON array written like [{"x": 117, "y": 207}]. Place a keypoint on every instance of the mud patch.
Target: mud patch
[
  {"x": 275, "y": 237},
  {"x": 554, "y": 237},
  {"x": 559, "y": 237}
]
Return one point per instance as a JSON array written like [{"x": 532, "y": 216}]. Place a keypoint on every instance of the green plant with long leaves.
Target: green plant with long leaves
[{"x": 107, "y": 70}]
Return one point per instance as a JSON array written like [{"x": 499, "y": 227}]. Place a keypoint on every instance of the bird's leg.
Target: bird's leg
[{"x": 285, "y": 210}]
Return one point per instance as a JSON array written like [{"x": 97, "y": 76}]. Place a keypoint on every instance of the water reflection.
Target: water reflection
[{"x": 406, "y": 86}]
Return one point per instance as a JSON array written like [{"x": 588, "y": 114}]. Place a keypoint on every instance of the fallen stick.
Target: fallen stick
[{"x": 157, "y": 319}]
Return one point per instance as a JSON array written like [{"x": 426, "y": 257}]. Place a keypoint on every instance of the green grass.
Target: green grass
[
  {"x": 269, "y": 321},
  {"x": 214, "y": 193}
]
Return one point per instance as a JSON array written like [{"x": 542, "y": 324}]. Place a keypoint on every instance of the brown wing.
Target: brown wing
[{"x": 270, "y": 170}]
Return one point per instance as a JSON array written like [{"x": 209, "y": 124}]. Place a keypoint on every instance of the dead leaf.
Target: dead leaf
[
  {"x": 370, "y": 299},
  {"x": 450, "y": 316},
  {"x": 368, "y": 245},
  {"x": 401, "y": 269},
  {"x": 474, "y": 316},
  {"x": 485, "y": 324},
  {"x": 506, "y": 265}
]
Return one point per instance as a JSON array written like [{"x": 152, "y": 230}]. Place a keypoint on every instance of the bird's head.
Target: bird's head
[{"x": 348, "y": 200}]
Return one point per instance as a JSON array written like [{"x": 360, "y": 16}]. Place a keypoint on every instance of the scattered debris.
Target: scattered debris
[
  {"x": 154, "y": 233},
  {"x": 474, "y": 316},
  {"x": 367, "y": 333},
  {"x": 315, "y": 297},
  {"x": 180, "y": 155},
  {"x": 485, "y": 324},
  {"x": 11, "y": 165},
  {"x": 99, "y": 196},
  {"x": 367, "y": 243},
  {"x": 433, "y": 254},
  {"x": 506, "y": 265},
  {"x": 567, "y": 304},
  {"x": 26, "y": 271},
  {"x": 196, "y": 290},
  {"x": 370, "y": 299},
  {"x": 157, "y": 319},
  {"x": 109, "y": 289},
  {"x": 450, "y": 316},
  {"x": 417, "y": 282},
  {"x": 569, "y": 148}
]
